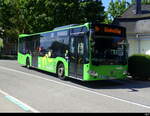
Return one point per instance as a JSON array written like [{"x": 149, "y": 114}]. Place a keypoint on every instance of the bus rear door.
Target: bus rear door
[{"x": 35, "y": 53}]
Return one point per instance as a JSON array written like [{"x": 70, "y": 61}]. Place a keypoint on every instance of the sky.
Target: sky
[{"x": 106, "y": 3}]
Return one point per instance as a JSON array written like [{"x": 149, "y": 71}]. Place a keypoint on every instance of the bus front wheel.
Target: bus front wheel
[{"x": 61, "y": 71}]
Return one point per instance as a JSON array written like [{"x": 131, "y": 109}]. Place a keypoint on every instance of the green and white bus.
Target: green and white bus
[{"x": 87, "y": 52}]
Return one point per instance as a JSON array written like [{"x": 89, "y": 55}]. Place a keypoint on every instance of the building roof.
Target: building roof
[
  {"x": 133, "y": 21},
  {"x": 131, "y": 12}
]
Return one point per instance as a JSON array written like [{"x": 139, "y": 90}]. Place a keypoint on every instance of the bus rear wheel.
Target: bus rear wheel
[
  {"x": 61, "y": 71},
  {"x": 28, "y": 63}
]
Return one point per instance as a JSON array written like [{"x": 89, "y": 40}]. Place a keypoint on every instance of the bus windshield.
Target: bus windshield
[{"x": 108, "y": 50}]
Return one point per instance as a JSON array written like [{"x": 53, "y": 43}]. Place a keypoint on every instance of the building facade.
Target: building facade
[{"x": 136, "y": 19}]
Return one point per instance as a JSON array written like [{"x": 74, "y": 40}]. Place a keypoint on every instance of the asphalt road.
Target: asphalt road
[{"x": 24, "y": 90}]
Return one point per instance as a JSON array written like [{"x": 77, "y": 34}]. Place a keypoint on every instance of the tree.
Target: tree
[
  {"x": 92, "y": 11},
  {"x": 12, "y": 18},
  {"x": 63, "y": 12},
  {"x": 116, "y": 8},
  {"x": 33, "y": 16},
  {"x": 66, "y": 12},
  {"x": 13, "y": 22}
]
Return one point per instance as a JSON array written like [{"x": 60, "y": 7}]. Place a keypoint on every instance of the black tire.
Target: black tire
[
  {"x": 28, "y": 63},
  {"x": 61, "y": 71}
]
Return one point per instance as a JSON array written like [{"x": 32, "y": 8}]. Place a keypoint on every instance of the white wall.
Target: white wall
[
  {"x": 143, "y": 26},
  {"x": 139, "y": 47},
  {"x": 145, "y": 46},
  {"x": 133, "y": 46}
]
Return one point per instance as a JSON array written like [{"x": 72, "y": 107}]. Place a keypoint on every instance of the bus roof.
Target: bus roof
[
  {"x": 68, "y": 27},
  {"x": 23, "y": 35},
  {"x": 55, "y": 29}
]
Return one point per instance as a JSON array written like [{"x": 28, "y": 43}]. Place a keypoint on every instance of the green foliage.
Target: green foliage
[
  {"x": 1, "y": 43},
  {"x": 139, "y": 66},
  {"x": 94, "y": 10},
  {"x": 107, "y": 20},
  {"x": 116, "y": 8},
  {"x": 12, "y": 18},
  {"x": 32, "y": 16}
]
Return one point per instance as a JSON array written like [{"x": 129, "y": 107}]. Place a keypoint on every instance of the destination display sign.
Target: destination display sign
[{"x": 109, "y": 30}]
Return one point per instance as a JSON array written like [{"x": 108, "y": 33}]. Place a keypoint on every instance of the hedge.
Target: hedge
[{"x": 139, "y": 66}]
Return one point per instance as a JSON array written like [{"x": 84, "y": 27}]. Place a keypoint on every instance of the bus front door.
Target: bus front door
[{"x": 76, "y": 57}]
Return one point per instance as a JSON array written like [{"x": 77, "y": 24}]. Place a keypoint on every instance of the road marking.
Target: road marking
[
  {"x": 87, "y": 90},
  {"x": 18, "y": 102}
]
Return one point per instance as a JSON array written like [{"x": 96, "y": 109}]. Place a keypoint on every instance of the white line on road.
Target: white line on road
[
  {"x": 87, "y": 90},
  {"x": 18, "y": 102}
]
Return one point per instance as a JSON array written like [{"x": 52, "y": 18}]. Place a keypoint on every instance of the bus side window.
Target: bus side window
[
  {"x": 20, "y": 45},
  {"x": 80, "y": 48},
  {"x": 86, "y": 48},
  {"x": 72, "y": 45}
]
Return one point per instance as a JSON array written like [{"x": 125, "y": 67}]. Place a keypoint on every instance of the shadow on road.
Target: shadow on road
[
  {"x": 133, "y": 85},
  {"x": 128, "y": 83}
]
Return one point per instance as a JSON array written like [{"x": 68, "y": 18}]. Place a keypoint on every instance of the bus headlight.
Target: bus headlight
[{"x": 93, "y": 73}]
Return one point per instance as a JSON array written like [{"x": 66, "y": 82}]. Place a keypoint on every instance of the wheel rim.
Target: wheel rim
[
  {"x": 61, "y": 71},
  {"x": 28, "y": 64}
]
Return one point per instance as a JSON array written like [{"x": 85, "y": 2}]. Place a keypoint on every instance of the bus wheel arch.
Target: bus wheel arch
[{"x": 60, "y": 70}]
